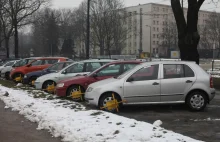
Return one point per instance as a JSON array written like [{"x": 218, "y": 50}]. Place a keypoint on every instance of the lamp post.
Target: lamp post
[
  {"x": 88, "y": 30},
  {"x": 150, "y": 42}
]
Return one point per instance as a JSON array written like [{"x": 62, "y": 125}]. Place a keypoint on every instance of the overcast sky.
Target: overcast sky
[{"x": 75, "y": 3}]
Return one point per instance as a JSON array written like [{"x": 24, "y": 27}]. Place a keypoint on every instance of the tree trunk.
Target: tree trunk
[
  {"x": 7, "y": 47},
  {"x": 16, "y": 39},
  {"x": 188, "y": 36}
]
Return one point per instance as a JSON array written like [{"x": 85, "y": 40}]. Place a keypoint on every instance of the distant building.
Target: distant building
[{"x": 155, "y": 16}]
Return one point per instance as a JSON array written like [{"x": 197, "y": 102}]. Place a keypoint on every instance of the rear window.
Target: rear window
[{"x": 188, "y": 71}]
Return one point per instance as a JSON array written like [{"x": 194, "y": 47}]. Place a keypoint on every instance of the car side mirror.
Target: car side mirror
[
  {"x": 130, "y": 79},
  {"x": 28, "y": 65},
  {"x": 95, "y": 75},
  {"x": 64, "y": 72}
]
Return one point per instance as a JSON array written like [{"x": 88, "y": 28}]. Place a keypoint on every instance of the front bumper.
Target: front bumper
[
  {"x": 38, "y": 85},
  {"x": 61, "y": 92},
  {"x": 91, "y": 99}
]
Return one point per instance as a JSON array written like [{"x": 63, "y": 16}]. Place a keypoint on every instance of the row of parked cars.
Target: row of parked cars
[{"x": 109, "y": 84}]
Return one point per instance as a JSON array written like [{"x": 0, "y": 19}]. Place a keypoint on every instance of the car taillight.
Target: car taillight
[{"x": 211, "y": 82}]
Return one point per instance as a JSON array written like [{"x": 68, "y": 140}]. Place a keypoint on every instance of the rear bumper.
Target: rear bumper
[{"x": 212, "y": 94}]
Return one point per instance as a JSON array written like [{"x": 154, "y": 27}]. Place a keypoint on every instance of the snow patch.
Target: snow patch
[
  {"x": 19, "y": 85},
  {"x": 6, "y": 107},
  {"x": 158, "y": 123},
  {"x": 72, "y": 122}
]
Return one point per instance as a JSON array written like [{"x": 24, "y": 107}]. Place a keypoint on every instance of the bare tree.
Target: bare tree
[
  {"x": 108, "y": 26},
  {"x": 169, "y": 38},
  {"x": 188, "y": 35},
  {"x": 20, "y": 11}
]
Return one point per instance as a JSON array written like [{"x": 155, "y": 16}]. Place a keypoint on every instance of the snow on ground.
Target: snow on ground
[
  {"x": 208, "y": 119},
  {"x": 72, "y": 122}
]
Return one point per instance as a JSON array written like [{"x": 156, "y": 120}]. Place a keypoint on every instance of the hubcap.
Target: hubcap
[
  {"x": 72, "y": 91},
  {"x": 107, "y": 100},
  {"x": 197, "y": 101}
]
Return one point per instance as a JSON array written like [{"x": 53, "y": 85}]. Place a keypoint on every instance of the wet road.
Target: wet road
[{"x": 203, "y": 126}]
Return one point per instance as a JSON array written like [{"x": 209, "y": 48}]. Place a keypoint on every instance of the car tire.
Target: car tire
[
  {"x": 17, "y": 75},
  {"x": 7, "y": 75},
  {"x": 197, "y": 101},
  {"x": 74, "y": 88},
  {"x": 46, "y": 84},
  {"x": 33, "y": 78},
  {"x": 107, "y": 97}
]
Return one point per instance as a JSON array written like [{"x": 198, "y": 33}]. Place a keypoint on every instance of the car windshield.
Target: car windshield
[
  {"x": 56, "y": 67},
  {"x": 9, "y": 63},
  {"x": 23, "y": 62},
  {"x": 127, "y": 72}
]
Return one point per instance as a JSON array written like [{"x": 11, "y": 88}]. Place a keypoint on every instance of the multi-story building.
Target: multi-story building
[{"x": 148, "y": 21}]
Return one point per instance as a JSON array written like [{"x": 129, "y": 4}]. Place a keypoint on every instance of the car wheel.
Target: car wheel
[
  {"x": 31, "y": 80},
  {"x": 46, "y": 86},
  {"x": 197, "y": 101},
  {"x": 107, "y": 99},
  {"x": 76, "y": 88},
  {"x": 7, "y": 75},
  {"x": 16, "y": 76}
]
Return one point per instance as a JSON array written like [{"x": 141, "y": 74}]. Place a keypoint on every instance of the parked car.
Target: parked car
[
  {"x": 7, "y": 64},
  {"x": 163, "y": 82},
  {"x": 5, "y": 72},
  {"x": 66, "y": 87},
  {"x": 29, "y": 78},
  {"x": 37, "y": 64},
  {"x": 75, "y": 69}
]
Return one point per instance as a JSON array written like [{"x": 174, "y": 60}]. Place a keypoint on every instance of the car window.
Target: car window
[
  {"x": 50, "y": 61},
  {"x": 188, "y": 72},
  {"x": 37, "y": 63},
  {"x": 173, "y": 71},
  {"x": 146, "y": 73},
  {"x": 111, "y": 70},
  {"x": 92, "y": 66},
  {"x": 76, "y": 68},
  {"x": 56, "y": 67},
  {"x": 67, "y": 64},
  {"x": 129, "y": 66}
]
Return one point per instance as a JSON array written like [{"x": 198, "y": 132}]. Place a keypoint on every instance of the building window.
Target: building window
[
  {"x": 154, "y": 35},
  {"x": 163, "y": 9},
  {"x": 156, "y": 50},
  {"x": 157, "y": 22},
  {"x": 157, "y": 36},
  {"x": 158, "y": 29},
  {"x": 154, "y": 22},
  {"x": 153, "y": 42},
  {"x": 158, "y": 9},
  {"x": 157, "y": 42},
  {"x": 154, "y": 28}
]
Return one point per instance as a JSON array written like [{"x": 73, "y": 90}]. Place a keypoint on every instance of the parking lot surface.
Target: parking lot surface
[
  {"x": 203, "y": 125},
  {"x": 15, "y": 128}
]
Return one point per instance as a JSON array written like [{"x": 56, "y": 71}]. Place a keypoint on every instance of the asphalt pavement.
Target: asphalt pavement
[
  {"x": 203, "y": 125},
  {"x": 15, "y": 128}
]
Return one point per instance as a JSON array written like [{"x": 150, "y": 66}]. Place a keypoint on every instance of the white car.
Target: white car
[
  {"x": 76, "y": 68},
  {"x": 163, "y": 82},
  {"x": 5, "y": 69}
]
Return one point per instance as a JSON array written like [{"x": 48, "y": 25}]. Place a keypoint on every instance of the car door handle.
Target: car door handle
[
  {"x": 155, "y": 83},
  {"x": 188, "y": 81}
]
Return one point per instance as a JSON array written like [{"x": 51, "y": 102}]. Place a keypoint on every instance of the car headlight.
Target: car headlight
[
  {"x": 59, "y": 85},
  {"x": 89, "y": 89},
  {"x": 25, "y": 76}
]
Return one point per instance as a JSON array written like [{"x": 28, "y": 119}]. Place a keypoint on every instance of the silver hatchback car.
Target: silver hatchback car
[{"x": 162, "y": 82}]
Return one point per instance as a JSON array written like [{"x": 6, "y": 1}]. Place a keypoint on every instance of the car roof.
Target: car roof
[
  {"x": 169, "y": 62},
  {"x": 97, "y": 60},
  {"x": 121, "y": 62}
]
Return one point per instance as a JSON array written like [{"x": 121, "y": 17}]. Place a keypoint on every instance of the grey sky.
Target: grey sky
[{"x": 75, "y": 3}]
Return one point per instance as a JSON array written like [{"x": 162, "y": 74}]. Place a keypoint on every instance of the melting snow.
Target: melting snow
[{"x": 72, "y": 122}]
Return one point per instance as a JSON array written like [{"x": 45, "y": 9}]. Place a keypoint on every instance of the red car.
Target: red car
[
  {"x": 35, "y": 65},
  {"x": 67, "y": 87}
]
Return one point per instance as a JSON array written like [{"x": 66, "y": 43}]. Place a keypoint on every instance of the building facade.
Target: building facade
[{"x": 148, "y": 22}]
